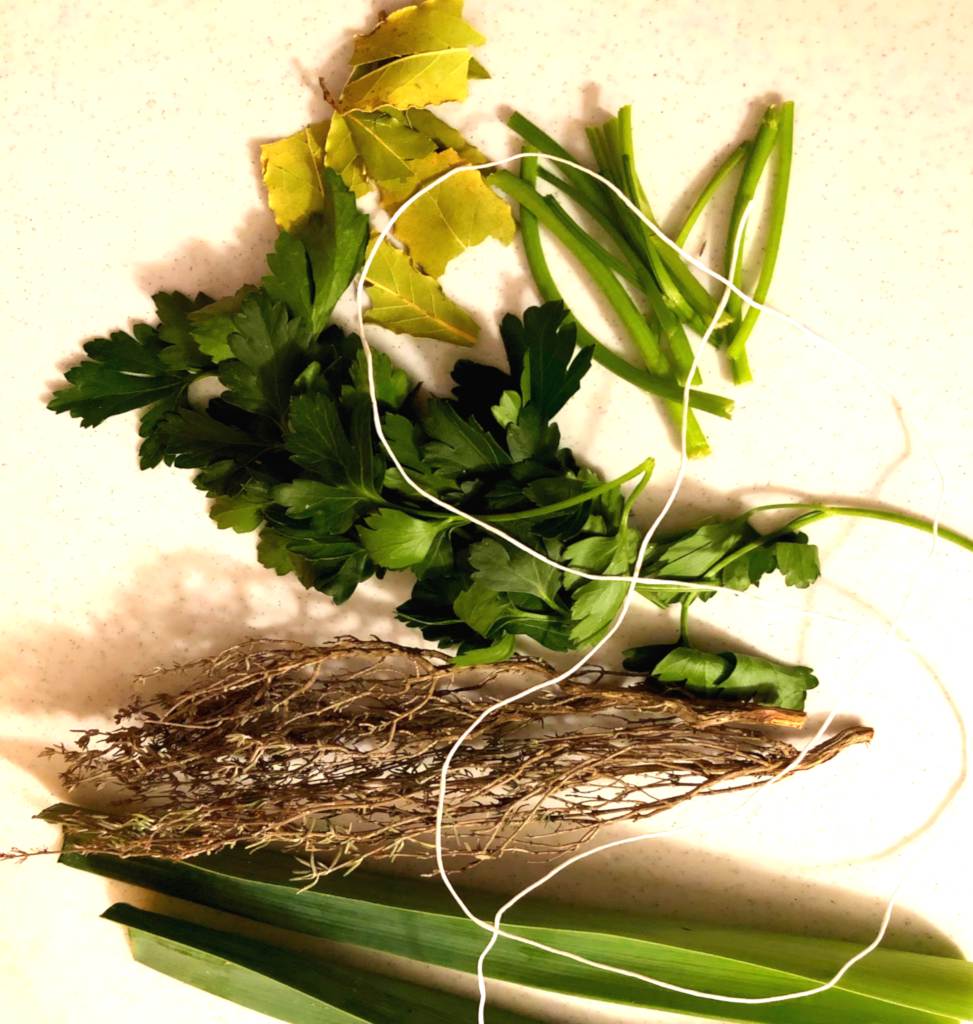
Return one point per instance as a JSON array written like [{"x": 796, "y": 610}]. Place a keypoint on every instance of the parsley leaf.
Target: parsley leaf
[
  {"x": 396, "y": 540},
  {"x": 317, "y": 440},
  {"x": 798, "y": 561},
  {"x": 121, "y": 372},
  {"x": 459, "y": 445},
  {"x": 509, "y": 570},
  {"x": 547, "y": 340},
  {"x": 270, "y": 350},
  {"x": 728, "y": 676},
  {"x": 332, "y": 510},
  {"x": 176, "y": 328}
]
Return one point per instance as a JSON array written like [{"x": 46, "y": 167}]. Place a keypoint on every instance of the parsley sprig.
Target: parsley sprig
[{"x": 287, "y": 449}]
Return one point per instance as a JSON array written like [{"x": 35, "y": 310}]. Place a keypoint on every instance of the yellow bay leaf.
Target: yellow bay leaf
[
  {"x": 445, "y": 135},
  {"x": 292, "y": 171},
  {"x": 341, "y": 155},
  {"x": 433, "y": 25},
  {"x": 407, "y": 301},
  {"x": 461, "y": 212},
  {"x": 417, "y": 80},
  {"x": 386, "y": 144},
  {"x": 420, "y": 171}
]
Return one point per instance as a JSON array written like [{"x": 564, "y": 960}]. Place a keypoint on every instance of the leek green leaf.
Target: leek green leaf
[
  {"x": 433, "y": 25},
  {"x": 283, "y": 983},
  {"x": 418, "y": 919},
  {"x": 292, "y": 172},
  {"x": 407, "y": 301},
  {"x": 461, "y": 212}
]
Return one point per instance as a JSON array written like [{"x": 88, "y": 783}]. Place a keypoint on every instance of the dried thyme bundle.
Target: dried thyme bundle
[{"x": 335, "y": 752}]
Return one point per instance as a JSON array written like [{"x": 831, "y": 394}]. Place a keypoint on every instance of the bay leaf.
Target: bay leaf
[
  {"x": 407, "y": 301},
  {"x": 292, "y": 171},
  {"x": 416, "y": 80},
  {"x": 461, "y": 212},
  {"x": 433, "y": 25}
]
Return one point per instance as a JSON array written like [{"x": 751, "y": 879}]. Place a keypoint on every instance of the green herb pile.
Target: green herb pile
[{"x": 287, "y": 447}]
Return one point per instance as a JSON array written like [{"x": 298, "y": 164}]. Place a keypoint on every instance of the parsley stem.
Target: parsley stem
[
  {"x": 785, "y": 149},
  {"x": 708, "y": 191},
  {"x": 816, "y": 512},
  {"x": 643, "y": 468},
  {"x": 684, "y": 621},
  {"x": 664, "y": 387},
  {"x": 753, "y": 169},
  {"x": 633, "y": 320}
]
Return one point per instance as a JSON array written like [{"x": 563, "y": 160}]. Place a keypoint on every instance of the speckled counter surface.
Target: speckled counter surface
[{"x": 130, "y": 134}]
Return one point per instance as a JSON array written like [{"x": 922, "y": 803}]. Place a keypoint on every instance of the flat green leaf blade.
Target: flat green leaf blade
[
  {"x": 282, "y": 983},
  {"x": 119, "y": 373},
  {"x": 407, "y": 301},
  {"x": 419, "y": 920},
  {"x": 459, "y": 444},
  {"x": 510, "y": 570},
  {"x": 396, "y": 540},
  {"x": 268, "y": 349},
  {"x": 335, "y": 243},
  {"x": 798, "y": 562},
  {"x": 317, "y": 440}
]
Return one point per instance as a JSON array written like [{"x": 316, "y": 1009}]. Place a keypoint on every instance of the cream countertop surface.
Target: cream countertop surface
[{"x": 131, "y": 133}]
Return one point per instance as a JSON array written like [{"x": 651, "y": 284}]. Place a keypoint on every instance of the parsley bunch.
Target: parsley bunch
[{"x": 287, "y": 448}]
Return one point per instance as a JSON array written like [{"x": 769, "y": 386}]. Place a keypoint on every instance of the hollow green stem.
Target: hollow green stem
[
  {"x": 753, "y": 169},
  {"x": 643, "y": 469},
  {"x": 717, "y": 405},
  {"x": 708, "y": 191},
  {"x": 634, "y": 322},
  {"x": 540, "y": 141},
  {"x": 623, "y": 138},
  {"x": 620, "y": 267},
  {"x": 785, "y": 148},
  {"x": 704, "y": 305}
]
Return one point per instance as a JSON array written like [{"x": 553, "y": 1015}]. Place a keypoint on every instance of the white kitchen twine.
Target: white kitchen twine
[{"x": 634, "y": 580}]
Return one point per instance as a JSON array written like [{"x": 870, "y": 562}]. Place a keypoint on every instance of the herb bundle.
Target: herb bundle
[{"x": 335, "y": 751}]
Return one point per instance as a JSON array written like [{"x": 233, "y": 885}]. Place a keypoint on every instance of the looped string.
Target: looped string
[{"x": 494, "y": 929}]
